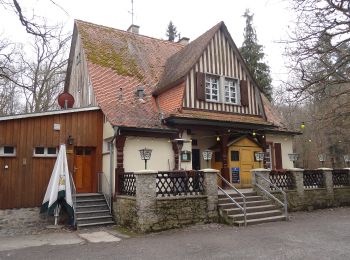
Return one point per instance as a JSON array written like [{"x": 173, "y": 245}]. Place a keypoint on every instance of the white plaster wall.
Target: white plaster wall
[
  {"x": 162, "y": 154},
  {"x": 187, "y": 147},
  {"x": 205, "y": 140},
  {"x": 108, "y": 133},
  {"x": 286, "y": 142}
]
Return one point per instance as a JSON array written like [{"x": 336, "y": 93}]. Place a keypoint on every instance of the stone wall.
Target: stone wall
[
  {"x": 175, "y": 212},
  {"x": 146, "y": 212},
  {"x": 308, "y": 199},
  {"x": 124, "y": 209}
]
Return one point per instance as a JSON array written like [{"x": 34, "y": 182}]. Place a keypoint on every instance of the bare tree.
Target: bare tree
[
  {"x": 42, "y": 76},
  {"x": 319, "y": 46},
  {"x": 33, "y": 25}
]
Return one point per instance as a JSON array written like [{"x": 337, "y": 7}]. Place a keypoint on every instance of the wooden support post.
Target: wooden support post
[
  {"x": 225, "y": 171},
  {"x": 119, "y": 144}
]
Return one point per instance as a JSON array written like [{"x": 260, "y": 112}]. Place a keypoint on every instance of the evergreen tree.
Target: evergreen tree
[
  {"x": 253, "y": 55},
  {"x": 171, "y": 32}
]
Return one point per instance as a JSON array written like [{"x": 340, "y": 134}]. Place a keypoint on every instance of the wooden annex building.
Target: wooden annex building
[{"x": 29, "y": 146}]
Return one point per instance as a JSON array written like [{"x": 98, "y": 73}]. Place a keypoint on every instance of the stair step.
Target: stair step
[
  {"x": 260, "y": 220},
  {"x": 92, "y": 213},
  {"x": 256, "y": 215},
  {"x": 94, "y": 217},
  {"x": 235, "y": 194},
  {"x": 248, "y": 204},
  {"x": 91, "y": 200},
  {"x": 91, "y": 203},
  {"x": 96, "y": 224},
  {"x": 240, "y": 199},
  {"x": 87, "y": 194},
  {"x": 232, "y": 211}
]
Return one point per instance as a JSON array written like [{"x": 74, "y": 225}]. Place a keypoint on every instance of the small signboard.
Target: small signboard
[{"x": 235, "y": 175}]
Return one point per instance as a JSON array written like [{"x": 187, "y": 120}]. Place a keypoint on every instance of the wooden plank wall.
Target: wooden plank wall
[
  {"x": 220, "y": 59},
  {"x": 25, "y": 181}
]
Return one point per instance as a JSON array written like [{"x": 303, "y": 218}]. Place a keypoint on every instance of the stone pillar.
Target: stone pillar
[
  {"x": 298, "y": 177},
  {"x": 211, "y": 190},
  {"x": 265, "y": 173},
  {"x": 146, "y": 199},
  {"x": 328, "y": 180}
]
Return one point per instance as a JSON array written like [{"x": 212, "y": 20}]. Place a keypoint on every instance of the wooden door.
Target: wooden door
[
  {"x": 83, "y": 169},
  {"x": 241, "y": 155}
]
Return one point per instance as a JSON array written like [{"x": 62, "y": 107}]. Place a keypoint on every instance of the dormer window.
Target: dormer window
[
  {"x": 212, "y": 86},
  {"x": 140, "y": 92}
]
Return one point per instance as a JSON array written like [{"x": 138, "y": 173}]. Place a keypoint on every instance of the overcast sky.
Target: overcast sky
[{"x": 192, "y": 18}]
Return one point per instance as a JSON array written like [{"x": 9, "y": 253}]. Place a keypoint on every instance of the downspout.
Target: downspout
[{"x": 111, "y": 162}]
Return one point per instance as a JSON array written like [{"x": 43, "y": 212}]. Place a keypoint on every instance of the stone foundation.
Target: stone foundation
[
  {"x": 146, "y": 212},
  {"x": 124, "y": 209}
]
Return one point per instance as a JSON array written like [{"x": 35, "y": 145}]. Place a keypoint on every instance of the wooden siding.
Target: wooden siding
[
  {"x": 80, "y": 85},
  {"x": 25, "y": 181},
  {"x": 220, "y": 59}
]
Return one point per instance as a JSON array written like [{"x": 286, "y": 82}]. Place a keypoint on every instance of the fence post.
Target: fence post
[
  {"x": 298, "y": 177},
  {"x": 256, "y": 180},
  {"x": 211, "y": 190},
  {"x": 328, "y": 180},
  {"x": 146, "y": 195}
]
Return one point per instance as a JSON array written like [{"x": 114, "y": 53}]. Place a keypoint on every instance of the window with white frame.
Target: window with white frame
[
  {"x": 40, "y": 151},
  {"x": 212, "y": 86},
  {"x": 7, "y": 150},
  {"x": 231, "y": 91}
]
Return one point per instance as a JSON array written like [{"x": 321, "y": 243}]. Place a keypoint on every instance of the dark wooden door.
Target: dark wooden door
[
  {"x": 83, "y": 169},
  {"x": 196, "y": 159}
]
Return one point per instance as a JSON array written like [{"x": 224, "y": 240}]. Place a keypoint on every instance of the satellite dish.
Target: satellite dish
[{"x": 65, "y": 100}]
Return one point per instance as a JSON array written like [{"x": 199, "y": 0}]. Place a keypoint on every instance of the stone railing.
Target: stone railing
[
  {"x": 156, "y": 206},
  {"x": 310, "y": 189}
]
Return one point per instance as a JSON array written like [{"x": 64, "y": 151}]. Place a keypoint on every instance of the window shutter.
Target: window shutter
[
  {"x": 278, "y": 156},
  {"x": 244, "y": 93},
  {"x": 200, "y": 86}
]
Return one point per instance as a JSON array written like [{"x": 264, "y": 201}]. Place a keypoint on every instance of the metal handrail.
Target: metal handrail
[
  {"x": 244, "y": 208},
  {"x": 102, "y": 185},
  {"x": 285, "y": 204},
  {"x": 74, "y": 198}
]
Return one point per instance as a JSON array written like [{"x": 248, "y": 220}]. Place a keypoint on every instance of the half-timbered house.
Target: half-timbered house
[
  {"x": 138, "y": 92},
  {"x": 153, "y": 91}
]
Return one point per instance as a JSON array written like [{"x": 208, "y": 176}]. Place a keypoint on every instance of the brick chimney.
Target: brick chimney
[
  {"x": 134, "y": 29},
  {"x": 184, "y": 40}
]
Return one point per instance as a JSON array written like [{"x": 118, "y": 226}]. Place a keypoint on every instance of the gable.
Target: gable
[
  {"x": 243, "y": 141},
  {"x": 221, "y": 58}
]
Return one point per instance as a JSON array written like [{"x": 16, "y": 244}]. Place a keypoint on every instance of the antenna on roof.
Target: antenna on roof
[{"x": 132, "y": 11}]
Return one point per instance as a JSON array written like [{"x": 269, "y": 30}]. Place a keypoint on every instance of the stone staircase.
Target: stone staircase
[
  {"x": 259, "y": 209},
  {"x": 92, "y": 210}
]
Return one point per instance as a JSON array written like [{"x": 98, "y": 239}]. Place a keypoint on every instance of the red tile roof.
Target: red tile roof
[{"x": 118, "y": 63}]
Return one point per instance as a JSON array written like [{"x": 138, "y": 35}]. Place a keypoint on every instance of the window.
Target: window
[
  {"x": 231, "y": 91},
  {"x": 7, "y": 150},
  {"x": 268, "y": 157},
  {"x": 212, "y": 86},
  {"x": 218, "y": 157},
  {"x": 41, "y": 151},
  {"x": 235, "y": 156}
]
